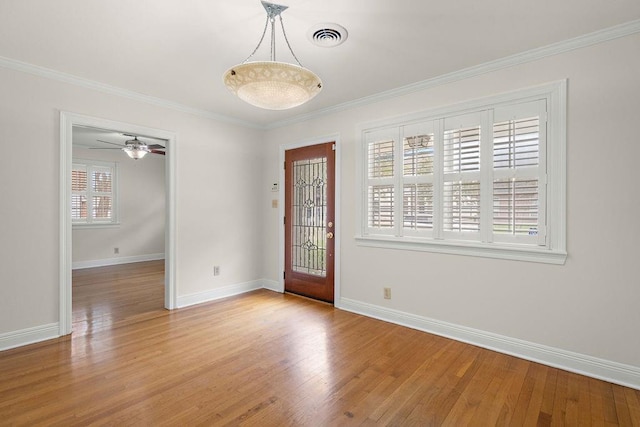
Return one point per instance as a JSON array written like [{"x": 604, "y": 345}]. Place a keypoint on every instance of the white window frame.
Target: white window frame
[
  {"x": 91, "y": 222},
  {"x": 549, "y": 248}
]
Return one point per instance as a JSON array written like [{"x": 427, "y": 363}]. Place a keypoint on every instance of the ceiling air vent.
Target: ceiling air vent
[{"x": 327, "y": 35}]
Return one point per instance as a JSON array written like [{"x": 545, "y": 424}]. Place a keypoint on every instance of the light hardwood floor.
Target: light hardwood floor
[{"x": 267, "y": 359}]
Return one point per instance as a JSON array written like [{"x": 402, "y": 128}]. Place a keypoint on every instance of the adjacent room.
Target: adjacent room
[
  {"x": 118, "y": 217},
  {"x": 319, "y": 213}
]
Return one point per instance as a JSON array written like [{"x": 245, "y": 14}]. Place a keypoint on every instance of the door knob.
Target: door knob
[
  {"x": 330, "y": 225},
  {"x": 329, "y": 235}
]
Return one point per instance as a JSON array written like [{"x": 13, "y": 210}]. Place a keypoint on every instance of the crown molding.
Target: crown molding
[
  {"x": 25, "y": 67},
  {"x": 580, "y": 42}
]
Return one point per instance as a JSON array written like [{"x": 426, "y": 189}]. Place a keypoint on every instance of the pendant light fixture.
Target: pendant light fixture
[{"x": 272, "y": 85}]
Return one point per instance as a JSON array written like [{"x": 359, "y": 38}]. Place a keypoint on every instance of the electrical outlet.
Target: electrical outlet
[
  {"x": 216, "y": 270},
  {"x": 387, "y": 293},
  {"x": 116, "y": 251}
]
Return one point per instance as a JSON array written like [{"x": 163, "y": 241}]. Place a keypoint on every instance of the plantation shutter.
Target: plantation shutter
[
  {"x": 519, "y": 173},
  {"x": 79, "y": 191},
  {"x": 93, "y": 192},
  {"x": 461, "y": 177},
  {"x": 102, "y": 193},
  {"x": 380, "y": 169},
  {"x": 418, "y": 179}
]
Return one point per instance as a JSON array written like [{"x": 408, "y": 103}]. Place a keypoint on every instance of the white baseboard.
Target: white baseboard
[
  {"x": 606, "y": 370},
  {"x": 214, "y": 294},
  {"x": 115, "y": 261},
  {"x": 29, "y": 336},
  {"x": 272, "y": 285}
]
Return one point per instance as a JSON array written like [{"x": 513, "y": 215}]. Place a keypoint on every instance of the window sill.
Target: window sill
[
  {"x": 94, "y": 226},
  {"x": 493, "y": 250}
]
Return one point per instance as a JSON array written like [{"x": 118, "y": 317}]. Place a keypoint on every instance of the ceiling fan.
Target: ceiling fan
[{"x": 134, "y": 148}]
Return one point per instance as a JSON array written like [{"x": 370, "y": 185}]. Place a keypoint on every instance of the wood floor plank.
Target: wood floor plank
[
  {"x": 528, "y": 406},
  {"x": 560, "y": 406},
  {"x": 511, "y": 373},
  {"x": 610, "y": 410},
  {"x": 633, "y": 403},
  {"x": 548, "y": 399},
  {"x": 622, "y": 408},
  {"x": 583, "y": 403},
  {"x": 269, "y": 359},
  {"x": 597, "y": 402}
]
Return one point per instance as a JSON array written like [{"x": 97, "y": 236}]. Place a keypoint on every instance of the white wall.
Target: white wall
[
  {"x": 590, "y": 305},
  {"x": 141, "y": 212},
  {"x": 218, "y": 173}
]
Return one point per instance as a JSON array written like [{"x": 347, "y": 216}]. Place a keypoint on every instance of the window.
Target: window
[
  {"x": 486, "y": 179},
  {"x": 93, "y": 193}
]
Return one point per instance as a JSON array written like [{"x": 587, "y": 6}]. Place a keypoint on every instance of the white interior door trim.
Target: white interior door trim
[{"x": 67, "y": 122}]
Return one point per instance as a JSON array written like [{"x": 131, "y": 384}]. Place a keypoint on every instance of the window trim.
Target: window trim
[
  {"x": 554, "y": 252},
  {"x": 114, "y": 222}
]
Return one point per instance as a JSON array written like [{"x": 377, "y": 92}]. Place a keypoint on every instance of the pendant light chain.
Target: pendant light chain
[
  {"x": 273, "y": 40},
  {"x": 266, "y": 24},
  {"x": 287, "y": 40}
]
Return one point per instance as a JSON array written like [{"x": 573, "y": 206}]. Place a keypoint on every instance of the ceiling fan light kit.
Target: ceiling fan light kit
[
  {"x": 272, "y": 85},
  {"x": 137, "y": 152},
  {"x": 135, "y": 148}
]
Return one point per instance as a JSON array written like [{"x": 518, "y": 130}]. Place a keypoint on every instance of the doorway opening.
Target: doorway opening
[
  {"x": 70, "y": 122},
  {"x": 118, "y": 227}
]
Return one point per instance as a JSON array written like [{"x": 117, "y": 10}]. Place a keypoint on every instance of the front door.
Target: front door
[{"x": 309, "y": 221}]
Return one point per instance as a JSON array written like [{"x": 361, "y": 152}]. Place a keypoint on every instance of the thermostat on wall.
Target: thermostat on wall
[{"x": 274, "y": 187}]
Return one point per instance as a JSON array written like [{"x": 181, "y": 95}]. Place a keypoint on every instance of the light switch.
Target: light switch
[{"x": 274, "y": 203}]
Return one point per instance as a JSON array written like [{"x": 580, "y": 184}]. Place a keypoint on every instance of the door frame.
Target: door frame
[
  {"x": 337, "y": 208},
  {"x": 67, "y": 122}
]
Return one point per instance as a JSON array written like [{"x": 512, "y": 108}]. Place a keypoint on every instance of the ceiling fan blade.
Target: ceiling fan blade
[
  {"x": 157, "y": 152},
  {"x": 155, "y": 146},
  {"x": 147, "y": 140},
  {"x": 112, "y": 143}
]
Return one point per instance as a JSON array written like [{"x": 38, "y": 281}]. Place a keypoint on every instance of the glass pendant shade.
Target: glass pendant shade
[{"x": 272, "y": 85}]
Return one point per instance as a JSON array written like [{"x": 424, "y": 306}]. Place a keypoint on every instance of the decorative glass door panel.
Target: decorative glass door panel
[{"x": 309, "y": 214}]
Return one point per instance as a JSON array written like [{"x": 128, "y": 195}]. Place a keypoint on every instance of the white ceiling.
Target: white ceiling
[
  {"x": 98, "y": 138},
  {"x": 179, "y": 50}
]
